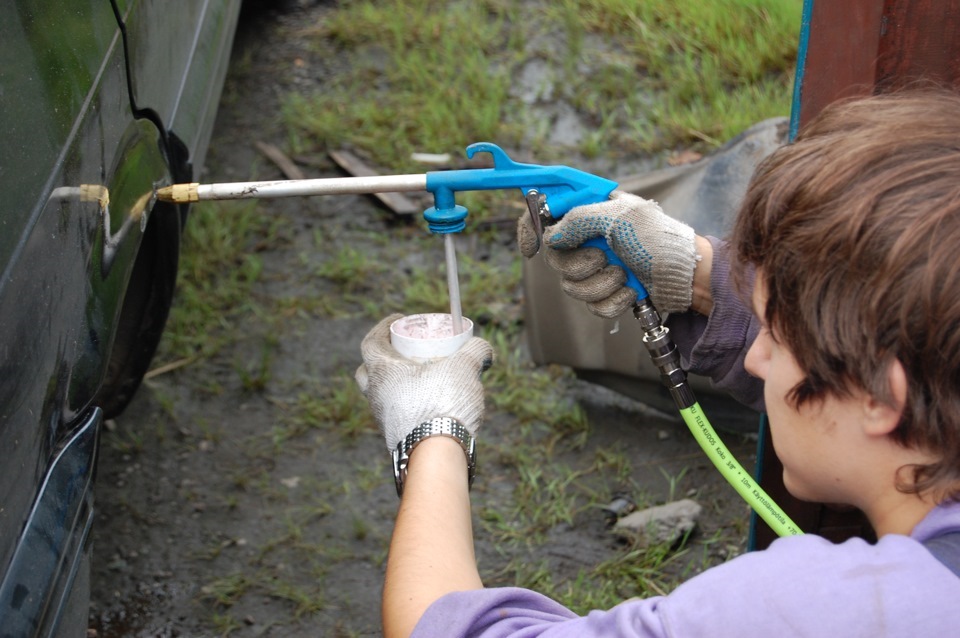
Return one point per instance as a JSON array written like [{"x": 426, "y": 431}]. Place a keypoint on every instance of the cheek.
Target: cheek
[{"x": 757, "y": 360}]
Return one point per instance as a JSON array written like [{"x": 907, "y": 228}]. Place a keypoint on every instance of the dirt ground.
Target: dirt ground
[{"x": 212, "y": 520}]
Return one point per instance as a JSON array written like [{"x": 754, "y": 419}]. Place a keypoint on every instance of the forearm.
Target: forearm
[{"x": 431, "y": 553}]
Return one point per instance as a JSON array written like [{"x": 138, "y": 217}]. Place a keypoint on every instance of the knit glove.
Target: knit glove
[
  {"x": 403, "y": 394},
  {"x": 658, "y": 249}
]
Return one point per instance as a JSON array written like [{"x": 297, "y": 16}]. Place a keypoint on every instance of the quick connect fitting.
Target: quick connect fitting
[{"x": 664, "y": 354}]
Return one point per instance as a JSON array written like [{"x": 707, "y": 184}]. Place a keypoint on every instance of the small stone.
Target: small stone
[
  {"x": 662, "y": 524},
  {"x": 662, "y": 435}
]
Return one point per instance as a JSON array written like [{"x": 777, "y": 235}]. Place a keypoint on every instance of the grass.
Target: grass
[
  {"x": 218, "y": 267},
  {"x": 441, "y": 75},
  {"x": 707, "y": 70},
  {"x": 335, "y": 405},
  {"x": 427, "y": 100}
]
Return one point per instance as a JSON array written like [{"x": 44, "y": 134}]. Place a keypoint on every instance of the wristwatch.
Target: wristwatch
[{"x": 439, "y": 426}]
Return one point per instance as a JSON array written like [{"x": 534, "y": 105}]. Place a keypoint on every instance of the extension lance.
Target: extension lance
[{"x": 550, "y": 193}]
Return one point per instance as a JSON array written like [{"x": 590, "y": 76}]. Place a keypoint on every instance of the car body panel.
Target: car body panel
[
  {"x": 79, "y": 163},
  {"x": 209, "y": 26}
]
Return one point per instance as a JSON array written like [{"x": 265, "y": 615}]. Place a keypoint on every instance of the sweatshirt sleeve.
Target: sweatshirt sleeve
[
  {"x": 716, "y": 346},
  {"x": 512, "y": 612}
]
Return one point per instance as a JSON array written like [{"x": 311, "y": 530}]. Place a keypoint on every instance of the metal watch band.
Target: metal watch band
[{"x": 439, "y": 426}]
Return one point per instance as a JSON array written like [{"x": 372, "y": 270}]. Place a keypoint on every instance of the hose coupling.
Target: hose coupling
[{"x": 664, "y": 354}]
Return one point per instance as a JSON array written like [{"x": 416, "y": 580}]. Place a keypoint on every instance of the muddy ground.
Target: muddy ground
[{"x": 217, "y": 517}]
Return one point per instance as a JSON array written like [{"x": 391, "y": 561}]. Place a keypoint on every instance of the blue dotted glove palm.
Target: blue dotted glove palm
[{"x": 658, "y": 249}]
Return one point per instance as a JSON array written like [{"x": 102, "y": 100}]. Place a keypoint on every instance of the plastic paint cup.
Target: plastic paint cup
[{"x": 428, "y": 336}]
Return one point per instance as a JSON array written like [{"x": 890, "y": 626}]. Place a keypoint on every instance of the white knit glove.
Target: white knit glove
[
  {"x": 403, "y": 394},
  {"x": 658, "y": 249}
]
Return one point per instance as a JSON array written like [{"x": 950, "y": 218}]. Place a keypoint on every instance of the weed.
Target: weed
[
  {"x": 353, "y": 270},
  {"x": 530, "y": 393},
  {"x": 371, "y": 477},
  {"x": 360, "y": 528},
  {"x": 224, "y": 624},
  {"x": 255, "y": 374},
  {"x": 210, "y": 432},
  {"x": 227, "y": 591},
  {"x": 420, "y": 91},
  {"x": 306, "y": 601},
  {"x": 127, "y": 441},
  {"x": 613, "y": 462},
  {"x": 699, "y": 72},
  {"x": 544, "y": 497},
  {"x": 339, "y": 407},
  {"x": 674, "y": 481}
]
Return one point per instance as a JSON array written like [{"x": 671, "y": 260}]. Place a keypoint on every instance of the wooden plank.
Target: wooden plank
[
  {"x": 397, "y": 202},
  {"x": 278, "y": 157}
]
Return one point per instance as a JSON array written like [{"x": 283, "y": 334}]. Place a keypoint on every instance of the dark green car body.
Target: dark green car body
[{"x": 100, "y": 102}]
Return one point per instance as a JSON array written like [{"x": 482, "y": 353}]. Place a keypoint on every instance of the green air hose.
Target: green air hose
[
  {"x": 664, "y": 354},
  {"x": 738, "y": 477}
]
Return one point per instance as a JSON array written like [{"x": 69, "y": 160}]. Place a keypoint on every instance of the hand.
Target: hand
[
  {"x": 658, "y": 249},
  {"x": 403, "y": 393}
]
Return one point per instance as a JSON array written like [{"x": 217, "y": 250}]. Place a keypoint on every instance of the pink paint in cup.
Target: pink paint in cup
[{"x": 428, "y": 336}]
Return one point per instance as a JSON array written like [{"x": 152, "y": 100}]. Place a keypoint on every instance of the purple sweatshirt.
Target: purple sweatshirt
[{"x": 799, "y": 586}]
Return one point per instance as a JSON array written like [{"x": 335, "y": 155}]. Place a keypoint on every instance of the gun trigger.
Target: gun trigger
[{"x": 537, "y": 206}]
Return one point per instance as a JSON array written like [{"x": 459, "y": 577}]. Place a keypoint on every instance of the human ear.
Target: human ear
[{"x": 882, "y": 418}]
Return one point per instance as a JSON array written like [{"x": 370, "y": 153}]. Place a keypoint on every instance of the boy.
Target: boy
[{"x": 845, "y": 246}]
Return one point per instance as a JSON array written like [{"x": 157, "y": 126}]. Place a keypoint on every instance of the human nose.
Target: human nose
[{"x": 758, "y": 356}]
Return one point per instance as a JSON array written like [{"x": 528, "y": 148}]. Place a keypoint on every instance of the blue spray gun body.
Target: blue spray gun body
[{"x": 550, "y": 191}]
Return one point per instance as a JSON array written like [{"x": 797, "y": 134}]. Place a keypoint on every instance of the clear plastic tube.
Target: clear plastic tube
[{"x": 453, "y": 283}]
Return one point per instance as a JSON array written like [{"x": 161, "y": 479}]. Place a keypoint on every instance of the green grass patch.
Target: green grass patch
[
  {"x": 441, "y": 75},
  {"x": 336, "y": 406},
  {"x": 219, "y": 264},
  {"x": 707, "y": 69},
  {"x": 428, "y": 84}
]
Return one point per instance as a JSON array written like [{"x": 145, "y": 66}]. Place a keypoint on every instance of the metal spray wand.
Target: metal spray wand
[{"x": 187, "y": 193}]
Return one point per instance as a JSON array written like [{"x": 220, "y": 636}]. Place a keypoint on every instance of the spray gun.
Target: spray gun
[{"x": 550, "y": 193}]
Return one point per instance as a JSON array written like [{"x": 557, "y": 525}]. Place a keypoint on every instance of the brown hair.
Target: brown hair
[{"x": 856, "y": 229}]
